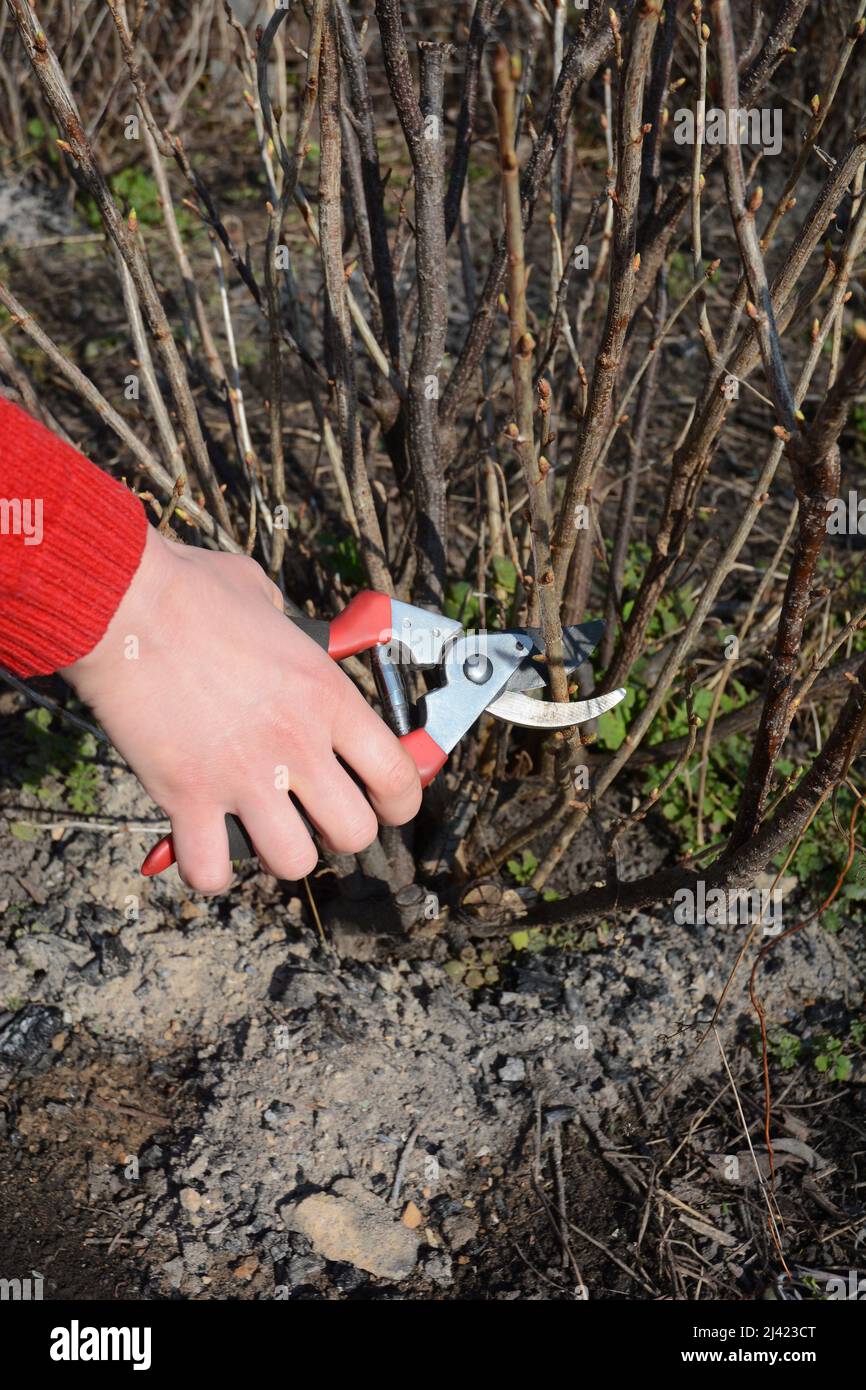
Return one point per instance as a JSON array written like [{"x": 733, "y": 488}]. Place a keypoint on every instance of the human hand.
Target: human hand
[{"x": 217, "y": 702}]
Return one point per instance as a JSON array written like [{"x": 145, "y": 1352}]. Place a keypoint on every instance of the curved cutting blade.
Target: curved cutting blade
[{"x": 518, "y": 708}]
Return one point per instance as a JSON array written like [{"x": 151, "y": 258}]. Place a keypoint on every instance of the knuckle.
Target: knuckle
[
  {"x": 245, "y": 569},
  {"x": 356, "y": 834},
  {"x": 298, "y": 864},
  {"x": 206, "y": 878},
  {"x": 249, "y": 565},
  {"x": 399, "y": 777}
]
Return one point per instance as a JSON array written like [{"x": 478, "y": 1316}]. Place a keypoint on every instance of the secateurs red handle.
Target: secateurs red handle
[{"x": 366, "y": 622}]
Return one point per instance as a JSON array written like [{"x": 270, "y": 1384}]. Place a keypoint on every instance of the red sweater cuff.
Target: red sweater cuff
[{"x": 71, "y": 539}]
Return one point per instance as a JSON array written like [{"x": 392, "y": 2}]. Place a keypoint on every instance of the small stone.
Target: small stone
[
  {"x": 29, "y": 1034},
  {"x": 350, "y": 1225},
  {"x": 190, "y": 1200},
  {"x": 438, "y": 1268},
  {"x": 304, "y": 1269},
  {"x": 111, "y": 955},
  {"x": 459, "y": 1230},
  {"x": 247, "y": 1268},
  {"x": 411, "y": 1216},
  {"x": 174, "y": 1271},
  {"x": 512, "y": 1069}
]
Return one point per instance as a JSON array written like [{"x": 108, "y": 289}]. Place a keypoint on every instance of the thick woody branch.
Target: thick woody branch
[
  {"x": 356, "y": 76},
  {"x": 482, "y": 19},
  {"x": 423, "y": 128},
  {"x": 522, "y": 347},
  {"x": 425, "y": 455},
  {"x": 814, "y": 459},
  {"x": 630, "y": 133},
  {"x": 331, "y": 244}
]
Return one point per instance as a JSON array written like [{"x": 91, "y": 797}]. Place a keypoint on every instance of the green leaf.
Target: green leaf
[
  {"x": 82, "y": 786},
  {"x": 343, "y": 557},
  {"x": 612, "y": 728},
  {"x": 461, "y": 603},
  {"x": 843, "y": 1069},
  {"x": 39, "y": 717},
  {"x": 25, "y": 832},
  {"x": 506, "y": 574},
  {"x": 523, "y": 868}
]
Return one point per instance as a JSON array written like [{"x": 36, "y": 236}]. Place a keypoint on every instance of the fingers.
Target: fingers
[
  {"x": 275, "y": 594},
  {"x": 389, "y": 774},
  {"x": 201, "y": 849},
  {"x": 279, "y": 837},
  {"x": 338, "y": 807}
]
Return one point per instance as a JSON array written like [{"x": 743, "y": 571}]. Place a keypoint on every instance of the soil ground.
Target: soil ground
[{"x": 179, "y": 1076}]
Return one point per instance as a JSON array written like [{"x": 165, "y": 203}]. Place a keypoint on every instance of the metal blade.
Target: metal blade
[
  {"x": 579, "y": 643},
  {"x": 517, "y": 708}
]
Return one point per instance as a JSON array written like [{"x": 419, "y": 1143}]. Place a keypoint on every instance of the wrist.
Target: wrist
[{"x": 133, "y": 616}]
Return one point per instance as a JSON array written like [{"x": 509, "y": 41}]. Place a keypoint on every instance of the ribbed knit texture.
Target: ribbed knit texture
[{"x": 58, "y": 595}]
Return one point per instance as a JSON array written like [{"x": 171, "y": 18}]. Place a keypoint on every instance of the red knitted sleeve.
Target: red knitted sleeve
[{"x": 71, "y": 540}]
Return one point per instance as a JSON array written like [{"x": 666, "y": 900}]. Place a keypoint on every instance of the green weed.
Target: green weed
[{"x": 53, "y": 763}]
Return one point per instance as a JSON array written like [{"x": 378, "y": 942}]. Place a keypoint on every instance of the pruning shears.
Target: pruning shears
[{"x": 476, "y": 672}]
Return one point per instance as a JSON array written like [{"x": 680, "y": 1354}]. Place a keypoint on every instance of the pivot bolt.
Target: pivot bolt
[{"x": 478, "y": 669}]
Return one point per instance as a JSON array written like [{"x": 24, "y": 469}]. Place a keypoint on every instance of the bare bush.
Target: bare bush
[{"x": 471, "y": 304}]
